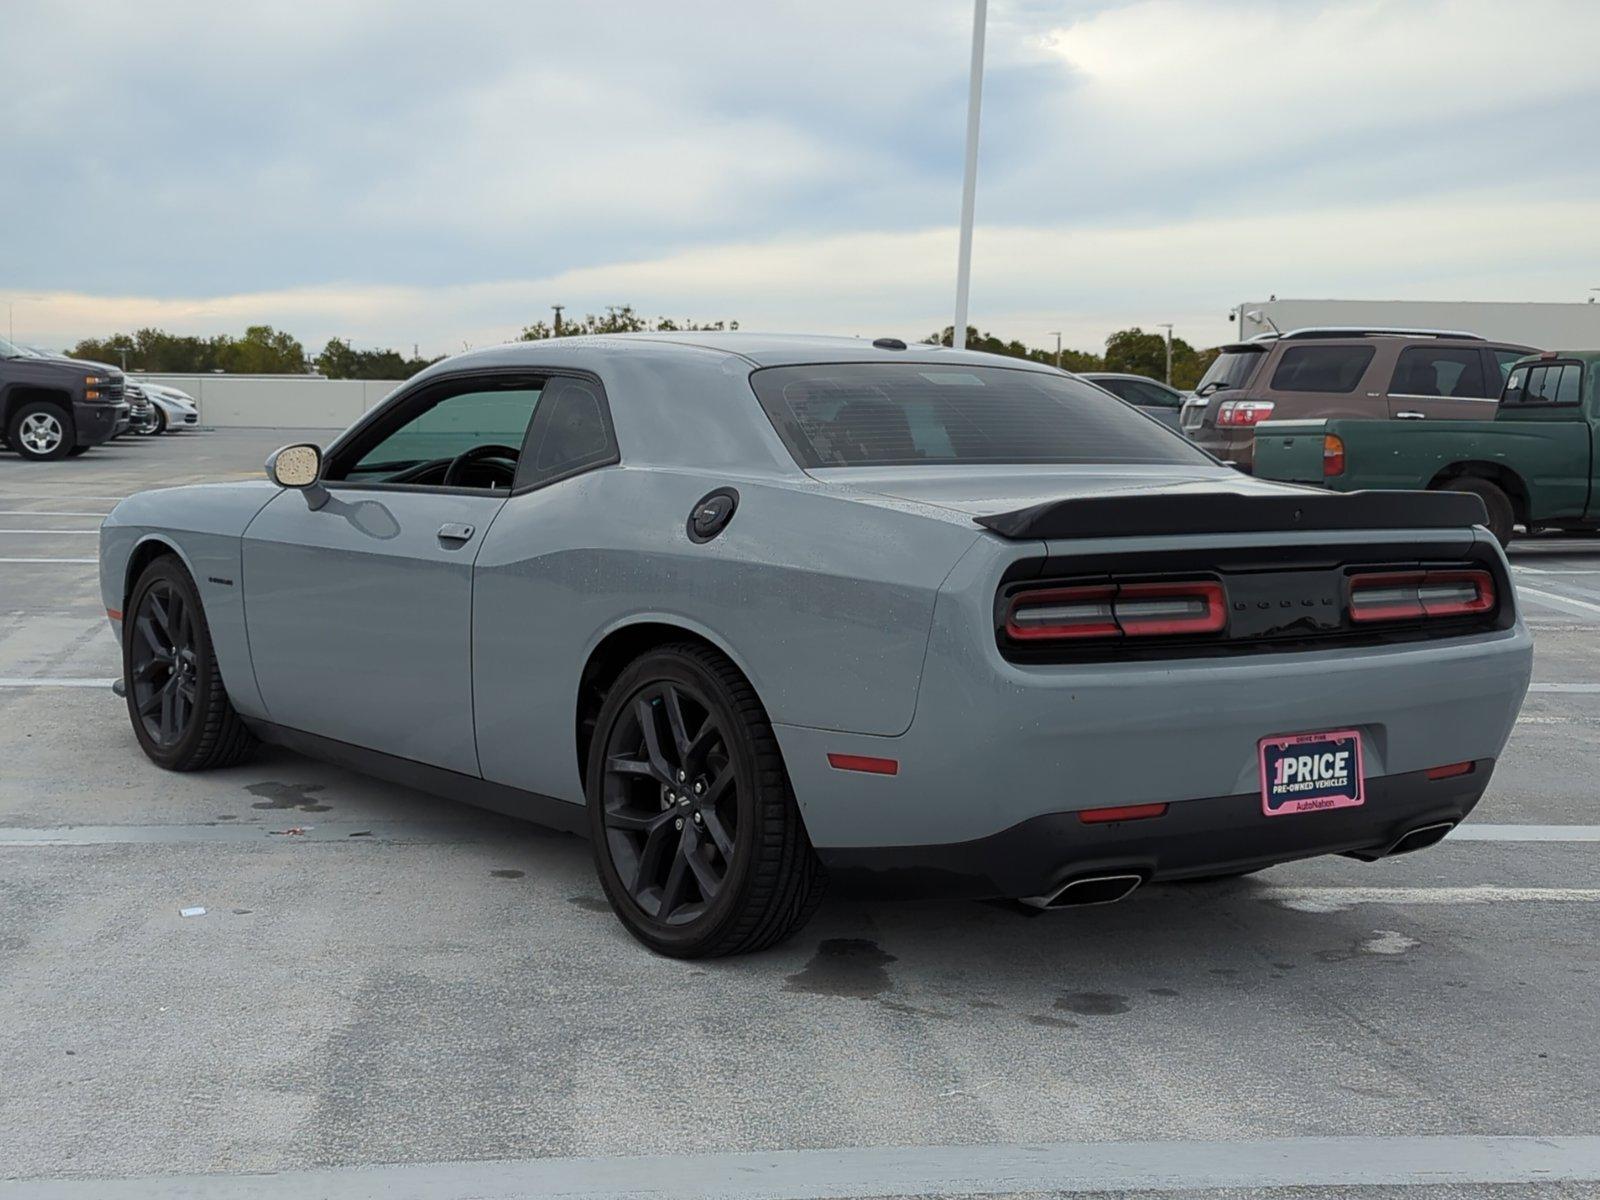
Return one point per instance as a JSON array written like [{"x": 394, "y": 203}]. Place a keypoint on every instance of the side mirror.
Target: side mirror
[{"x": 299, "y": 467}]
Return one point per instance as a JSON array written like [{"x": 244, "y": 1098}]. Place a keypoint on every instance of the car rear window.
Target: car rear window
[
  {"x": 1321, "y": 368},
  {"x": 898, "y": 414},
  {"x": 1230, "y": 369},
  {"x": 1547, "y": 383}
]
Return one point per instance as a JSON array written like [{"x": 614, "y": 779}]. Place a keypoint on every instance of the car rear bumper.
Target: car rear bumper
[
  {"x": 1237, "y": 446},
  {"x": 1218, "y": 835}
]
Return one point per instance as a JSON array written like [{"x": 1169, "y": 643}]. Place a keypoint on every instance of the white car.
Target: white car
[{"x": 174, "y": 409}]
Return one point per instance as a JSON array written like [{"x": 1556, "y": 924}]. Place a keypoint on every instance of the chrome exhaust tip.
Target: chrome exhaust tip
[
  {"x": 1421, "y": 837},
  {"x": 1090, "y": 889}
]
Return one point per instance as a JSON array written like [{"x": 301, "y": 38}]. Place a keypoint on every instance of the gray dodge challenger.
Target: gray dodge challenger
[{"x": 755, "y": 613}]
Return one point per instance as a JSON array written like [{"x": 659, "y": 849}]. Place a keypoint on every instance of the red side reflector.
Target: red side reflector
[
  {"x": 864, "y": 762},
  {"x": 1450, "y": 771},
  {"x": 114, "y": 613},
  {"x": 1130, "y": 812}
]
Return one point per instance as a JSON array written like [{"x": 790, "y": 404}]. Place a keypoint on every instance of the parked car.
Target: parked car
[
  {"x": 141, "y": 411},
  {"x": 1157, "y": 399},
  {"x": 1531, "y": 463},
  {"x": 1404, "y": 374},
  {"x": 174, "y": 409},
  {"x": 54, "y": 407},
  {"x": 755, "y": 611}
]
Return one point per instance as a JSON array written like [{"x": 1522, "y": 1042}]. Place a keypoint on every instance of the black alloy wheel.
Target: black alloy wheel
[
  {"x": 670, "y": 803},
  {"x": 165, "y": 664},
  {"x": 697, "y": 837},
  {"x": 179, "y": 709}
]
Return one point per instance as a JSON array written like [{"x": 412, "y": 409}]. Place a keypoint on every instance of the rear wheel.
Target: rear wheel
[
  {"x": 180, "y": 711},
  {"x": 41, "y": 430},
  {"x": 697, "y": 837},
  {"x": 1502, "y": 516}
]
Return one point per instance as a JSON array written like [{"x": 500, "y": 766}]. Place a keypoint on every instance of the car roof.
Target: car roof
[{"x": 757, "y": 349}]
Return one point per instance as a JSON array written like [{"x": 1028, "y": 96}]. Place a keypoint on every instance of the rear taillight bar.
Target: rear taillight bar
[
  {"x": 1233, "y": 413},
  {"x": 1115, "y": 610},
  {"x": 1415, "y": 595}
]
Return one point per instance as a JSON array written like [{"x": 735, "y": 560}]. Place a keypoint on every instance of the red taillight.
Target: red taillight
[
  {"x": 1243, "y": 412},
  {"x": 1129, "y": 812},
  {"x": 1450, "y": 771},
  {"x": 1118, "y": 610},
  {"x": 864, "y": 762},
  {"x": 1332, "y": 456},
  {"x": 1411, "y": 595}
]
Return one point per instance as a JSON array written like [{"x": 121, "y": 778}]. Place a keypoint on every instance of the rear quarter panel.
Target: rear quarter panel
[{"x": 824, "y": 603}]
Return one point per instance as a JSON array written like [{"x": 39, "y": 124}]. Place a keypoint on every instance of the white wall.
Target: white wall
[
  {"x": 1543, "y": 326},
  {"x": 279, "y": 401}
]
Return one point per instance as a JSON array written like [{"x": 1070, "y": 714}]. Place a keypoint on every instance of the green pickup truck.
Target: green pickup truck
[{"x": 1533, "y": 463}]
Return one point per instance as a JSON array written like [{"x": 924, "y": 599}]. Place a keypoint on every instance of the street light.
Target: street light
[
  {"x": 969, "y": 179},
  {"x": 1057, "y": 333},
  {"x": 1168, "y": 327}
]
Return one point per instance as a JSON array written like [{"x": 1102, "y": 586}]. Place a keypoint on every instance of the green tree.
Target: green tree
[
  {"x": 1140, "y": 353},
  {"x": 618, "y": 318},
  {"x": 1071, "y": 360},
  {"x": 339, "y": 360}
]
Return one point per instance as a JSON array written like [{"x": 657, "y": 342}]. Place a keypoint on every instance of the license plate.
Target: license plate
[{"x": 1309, "y": 772}]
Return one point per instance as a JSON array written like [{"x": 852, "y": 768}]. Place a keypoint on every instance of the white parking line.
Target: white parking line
[
  {"x": 1485, "y": 832},
  {"x": 849, "y": 1173},
  {"x": 1564, "y": 603},
  {"x": 69, "y": 498},
  {"x": 26, "y": 681},
  {"x": 55, "y": 532},
  {"x": 1339, "y": 899},
  {"x": 28, "y": 512},
  {"x": 1576, "y": 689},
  {"x": 49, "y": 560}
]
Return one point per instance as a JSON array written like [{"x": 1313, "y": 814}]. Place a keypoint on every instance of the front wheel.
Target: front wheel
[
  {"x": 697, "y": 837},
  {"x": 1502, "y": 516},
  {"x": 181, "y": 713},
  {"x": 41, "y": 430}
]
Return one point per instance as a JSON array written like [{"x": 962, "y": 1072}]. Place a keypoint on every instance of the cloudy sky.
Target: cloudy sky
[{"x": 406, "y": 171}]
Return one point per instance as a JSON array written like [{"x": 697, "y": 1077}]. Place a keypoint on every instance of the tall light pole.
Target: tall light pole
[
  {"x": 1168, "y": 327},
  {"x": 1057, "y": 332},
  {"x": 969, "y": 180},
  {"x": 558, "y": 308}
]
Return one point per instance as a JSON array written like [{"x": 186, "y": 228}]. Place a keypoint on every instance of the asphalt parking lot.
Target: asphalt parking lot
[{"x": 409, "y": 981}]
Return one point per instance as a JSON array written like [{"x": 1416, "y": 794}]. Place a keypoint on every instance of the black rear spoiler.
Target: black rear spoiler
[{"x": 1235, "y": 512}]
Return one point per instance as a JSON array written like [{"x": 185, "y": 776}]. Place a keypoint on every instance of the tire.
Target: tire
[
  {"x": 161, "y": 421},
  {"x": 677, "y": 876},
  {"x": 41, "y": 430},
  {"x": 77, "y": 450},
  {"x": 181, "y": 715},
  {"x": 1502, "y": 516}
]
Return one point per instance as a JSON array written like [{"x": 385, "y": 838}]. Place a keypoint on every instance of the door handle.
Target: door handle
[
  {"x": 455, "y": 533},
  {"x": 1411, "y": 416}
]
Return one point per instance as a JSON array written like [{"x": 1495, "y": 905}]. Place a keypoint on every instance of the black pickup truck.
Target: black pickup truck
[{"x": 52, "y": 407}]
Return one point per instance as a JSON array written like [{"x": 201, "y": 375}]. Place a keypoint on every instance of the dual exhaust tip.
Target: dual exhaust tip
[{"x": 1109, "y": 888}]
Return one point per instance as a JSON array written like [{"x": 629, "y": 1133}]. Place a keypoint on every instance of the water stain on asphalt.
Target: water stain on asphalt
[
  {"x": 1051, "y": 1022},
  {"x": 851, "y": 968},
  {"x": 1224, "y": 972},
  {"x": 1164, "y": 993},
  {"x": 287, "y": 795},
  {"x": 912, "y": 1010},
  {"x": 1093, "y": 1004},
  {"x": 589, "y": 903},
  {"x": 507, "y": 873},
  {"x": 982, "y": 1004}
]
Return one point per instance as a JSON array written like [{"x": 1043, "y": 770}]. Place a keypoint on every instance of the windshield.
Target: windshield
[
  {"x": 1230, "y": 369},
  {"x": 894, "y": 414},
  {"x": 8, "y": 350}
]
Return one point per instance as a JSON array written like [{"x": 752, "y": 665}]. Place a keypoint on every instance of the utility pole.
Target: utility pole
[
  {"x": 969, "y": 179},
  {"x": 1168, "y": 327},
  {"x": 1057, "y": 332},
  {"x": 558, "y": 308}
]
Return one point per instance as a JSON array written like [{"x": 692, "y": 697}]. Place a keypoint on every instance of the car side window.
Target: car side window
[
  {"x": 490, "y": 419},
  {"x": 1505, "y": 360},
  {"x": 1149, "y": 395},
  {"x": 1439, "y": 371},
  {"x": 1321, "y": 368},
  {"x": 571, "y": 432}
]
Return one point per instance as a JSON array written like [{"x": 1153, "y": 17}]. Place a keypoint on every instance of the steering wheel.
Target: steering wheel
[{"x": 459, "y": 464}]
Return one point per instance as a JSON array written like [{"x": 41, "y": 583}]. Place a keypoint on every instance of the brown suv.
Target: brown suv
[{"x": 1405, "y": 374}]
